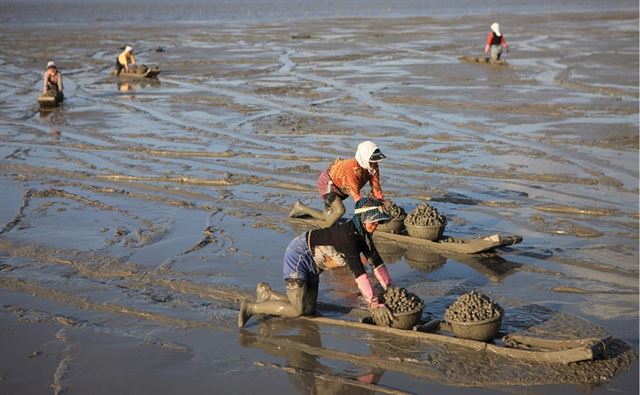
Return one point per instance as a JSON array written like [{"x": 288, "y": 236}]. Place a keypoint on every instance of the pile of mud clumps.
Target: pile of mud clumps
[
  {"x": 425, "y": 215},
  {"x": 471, "y": 307},
  {"x": 394, "y": 210},
  {"x": 399, "y": 300}
]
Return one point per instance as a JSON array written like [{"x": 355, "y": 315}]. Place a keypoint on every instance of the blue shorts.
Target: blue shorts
[{"x": 298, "y": 262}]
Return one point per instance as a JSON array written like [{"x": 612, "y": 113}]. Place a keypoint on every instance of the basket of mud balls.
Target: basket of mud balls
[
  {"x": 405, "y": 306},
  {"x": 474, "y": 316},
  {"x": 425, "y": 223},
  {"x": 397, "y": 214}
]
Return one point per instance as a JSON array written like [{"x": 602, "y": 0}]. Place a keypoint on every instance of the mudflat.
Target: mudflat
[{"x": 135, "y": 216}]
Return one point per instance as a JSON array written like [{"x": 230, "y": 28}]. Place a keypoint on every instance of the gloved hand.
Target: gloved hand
[
  {"x": 381, "y": 314},
  {"x": 507, "y": 49}
]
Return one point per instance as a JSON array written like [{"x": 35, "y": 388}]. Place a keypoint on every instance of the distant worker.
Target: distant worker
[
  {"x": 52, "y": 84},
  {"x": 344, "y": 178},
  {"x": 124, "y": 59},
  {"x": 496, "y": 42},
  {"x": 349, "y": 244}
]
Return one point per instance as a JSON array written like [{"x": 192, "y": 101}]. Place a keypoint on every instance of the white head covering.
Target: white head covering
[
  {"x": 365, "y": 149},
  {"x": 128, "y": 49},
  {"x": 51, "y": 64},
  {"x": 495, "y": 27}
]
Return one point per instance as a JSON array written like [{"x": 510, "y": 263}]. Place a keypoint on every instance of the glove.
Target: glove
[
  {"x": 381, "y": 314},
  {"x": 507, "y": 49}
]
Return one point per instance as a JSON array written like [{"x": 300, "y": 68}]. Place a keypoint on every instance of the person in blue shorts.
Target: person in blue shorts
[{"x": 308, "y": 255}]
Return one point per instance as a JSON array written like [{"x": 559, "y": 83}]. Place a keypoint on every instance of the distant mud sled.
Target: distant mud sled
[
  {"x": 138, "y": 71},
  {"x": 483, "y": 60},
  {"x": 48, "y": 101}
]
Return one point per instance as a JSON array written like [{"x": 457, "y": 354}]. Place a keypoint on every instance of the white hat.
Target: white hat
[
  {"x": 496, "y": 29},
  {"x": 128, "y": 49},
  {"x": 51, "y": 64}
]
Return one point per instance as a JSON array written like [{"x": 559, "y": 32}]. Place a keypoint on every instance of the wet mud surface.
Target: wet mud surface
[{"x": 133, "y": 220}]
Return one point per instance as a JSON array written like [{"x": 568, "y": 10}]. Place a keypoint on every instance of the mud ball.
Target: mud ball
[
  {"x": 471, "y": 307},
  {"x": 425, "y": 215},
  {"x": 394, "y": 210},
  {"x": 399, "y": 300}
]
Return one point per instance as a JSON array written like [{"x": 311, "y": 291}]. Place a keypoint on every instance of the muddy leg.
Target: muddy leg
[
  {"x": 264, "y": 293},
  {"x": 310, "y": 299},
  {"x": 334, "y": 213},
  {"x": 291, "y": 308},
  {"x": 300, "y": 210}
]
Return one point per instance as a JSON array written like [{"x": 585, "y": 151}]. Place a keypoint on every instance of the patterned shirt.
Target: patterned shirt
[{"x": 341, "y": 245}]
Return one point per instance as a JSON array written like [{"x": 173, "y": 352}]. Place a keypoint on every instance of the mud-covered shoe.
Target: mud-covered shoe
[
  {"x": 243, "y": 314},
  {"x": 297, "y": 210},
  {"x": 263, "y": 291}
]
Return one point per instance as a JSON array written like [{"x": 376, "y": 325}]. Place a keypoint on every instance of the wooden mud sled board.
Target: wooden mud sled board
[
  {"x": 515, "y": 346},
  {"x": 152, "y": 72},
  {"x": 50, "y": 101},
  {"x": 445, "y": 244},
  {"x": 484, "y": 60}
]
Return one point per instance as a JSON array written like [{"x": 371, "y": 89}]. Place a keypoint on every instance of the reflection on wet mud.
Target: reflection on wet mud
[
  {"x": 492, "y": 266},
  {"x": 304, "y": 369},
  {"x": 423, "y": 259},
  {"x": 126, "y": 86}
]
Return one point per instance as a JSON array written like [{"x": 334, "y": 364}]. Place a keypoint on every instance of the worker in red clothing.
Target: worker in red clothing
[{"x": 495, "y": 42}]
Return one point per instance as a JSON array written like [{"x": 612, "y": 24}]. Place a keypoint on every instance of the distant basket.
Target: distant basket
[
  {"x": 394, "y": 226},
  {"x": 427, "y": 232},
  {"x": 477, "y": 330}
]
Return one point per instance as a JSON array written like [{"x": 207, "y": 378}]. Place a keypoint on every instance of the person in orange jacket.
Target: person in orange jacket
[
  {"x": 344, "y": 178},
  {"x": 495, "y": 42}
]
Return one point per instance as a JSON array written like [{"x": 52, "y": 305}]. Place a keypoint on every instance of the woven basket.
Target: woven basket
[
  {"x": 425, "y": 232},
  {"x": 477, "y": 330},
  {"x": 394, "y": 226}
]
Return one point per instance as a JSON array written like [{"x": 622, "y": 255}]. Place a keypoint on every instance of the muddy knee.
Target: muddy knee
[{"x": 296, "y": 291}]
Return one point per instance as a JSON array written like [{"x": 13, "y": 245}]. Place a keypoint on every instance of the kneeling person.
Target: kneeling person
[{"x": 311, "y": 253}]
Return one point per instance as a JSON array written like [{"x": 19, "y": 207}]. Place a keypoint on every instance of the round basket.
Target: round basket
[
  {"x": 407, "y": 320},
  {"x": 425, "y": 231},
  {"x": 477, "y": 330},
  {"x": 394, "y": 226}
]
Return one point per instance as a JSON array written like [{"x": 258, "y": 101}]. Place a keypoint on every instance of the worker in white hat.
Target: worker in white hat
[
  {"x": 495, "y": 42},
  {"x": 344, "y": 178},
  {"x": 124, "y": 59},
  {"x": 52, "y": 81}
]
